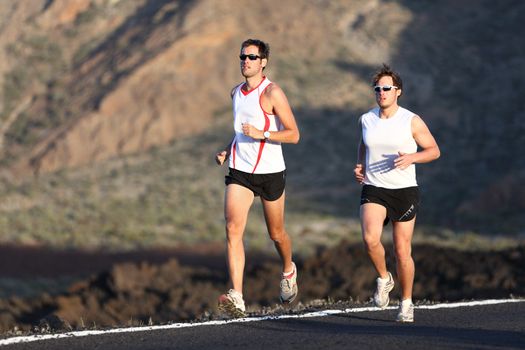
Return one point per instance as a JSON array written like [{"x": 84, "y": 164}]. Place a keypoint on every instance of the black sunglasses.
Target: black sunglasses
[
  {"x": 252, "y": 57},
  {"x": 384, "y": 88}
]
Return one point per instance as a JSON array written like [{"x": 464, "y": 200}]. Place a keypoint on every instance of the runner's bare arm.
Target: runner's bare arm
[
  {"x": 424, "y": 139},
  {"x": 274, "y": 101},
  {"x": 359, "y": 170},
  {"x": 221, "y": 156}
]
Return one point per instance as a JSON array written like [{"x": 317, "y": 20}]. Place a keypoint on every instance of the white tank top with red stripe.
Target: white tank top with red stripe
[{"x": 247, "y": 154}]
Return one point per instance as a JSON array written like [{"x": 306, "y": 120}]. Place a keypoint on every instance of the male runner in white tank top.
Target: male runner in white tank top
[
  {"x": 387, "y": 155},
  {"x": 263, "y": 120}
]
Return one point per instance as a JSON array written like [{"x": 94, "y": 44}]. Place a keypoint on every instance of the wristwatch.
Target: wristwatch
[{"x": 266, "y": 135}]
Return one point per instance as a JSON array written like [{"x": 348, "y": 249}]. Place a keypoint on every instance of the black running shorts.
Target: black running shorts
[
  {"x": 401, "y": 204},
  {"x": 268, "y": 186}
]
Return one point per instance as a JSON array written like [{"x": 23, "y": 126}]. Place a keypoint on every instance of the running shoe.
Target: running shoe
[
  {"x": 406, "y": 311},
  {"x": 288, "y": 286},
  {"x": 384, "y": 286},
  {"x": 232, "y": 304}
]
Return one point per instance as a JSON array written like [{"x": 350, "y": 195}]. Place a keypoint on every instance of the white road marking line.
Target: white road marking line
[{"x": 32, "y": 338}]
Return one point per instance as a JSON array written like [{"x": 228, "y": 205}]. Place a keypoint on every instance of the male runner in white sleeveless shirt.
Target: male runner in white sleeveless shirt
[
  {"x": 263, "y": 120},
  {"x": 387, "y": 155}
]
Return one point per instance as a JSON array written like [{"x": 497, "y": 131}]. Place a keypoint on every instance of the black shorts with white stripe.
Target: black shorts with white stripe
[{"x": 401, "y": 204}]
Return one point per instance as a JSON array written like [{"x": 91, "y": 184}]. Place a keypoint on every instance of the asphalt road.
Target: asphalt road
[{"x": 496, "y": 326}]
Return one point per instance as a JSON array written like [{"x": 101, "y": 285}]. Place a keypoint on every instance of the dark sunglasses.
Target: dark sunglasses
[
  {"x": 252, "y": 57},
  {"x": 384, "y": 88}
]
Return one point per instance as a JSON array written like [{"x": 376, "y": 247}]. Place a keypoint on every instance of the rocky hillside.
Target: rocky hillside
[
  {"x": 90, "y": 80},
  {"x": 171, "y": 291}
]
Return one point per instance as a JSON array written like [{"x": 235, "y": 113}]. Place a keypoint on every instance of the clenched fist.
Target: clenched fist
[
  {"x": 252, "y": 131},
  {"x": 220, "y": 157},
  {"x": 359, "y": 173}
]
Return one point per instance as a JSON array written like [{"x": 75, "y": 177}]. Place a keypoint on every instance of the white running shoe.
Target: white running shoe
[
  {"x": 384, "y": 286},
  {"x": 288, "y": 286},
  {"x": 232, "y": 304},
  {"x": 406, "y": 311}
]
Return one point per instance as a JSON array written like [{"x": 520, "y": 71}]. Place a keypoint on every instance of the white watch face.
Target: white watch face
[{"x": 266, "y": 134}]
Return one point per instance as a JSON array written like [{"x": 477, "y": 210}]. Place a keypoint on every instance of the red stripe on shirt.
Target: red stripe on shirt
[
  {"x": 233, "y": 153},
  {"x": 266, "y": 128},
  {"x": 255, "y": 88}
]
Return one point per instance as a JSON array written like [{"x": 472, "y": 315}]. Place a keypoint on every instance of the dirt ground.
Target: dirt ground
[{"x": 183, "y": 284}]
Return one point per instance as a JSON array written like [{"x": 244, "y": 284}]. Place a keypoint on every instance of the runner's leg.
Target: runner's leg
[
  {"x": 274, "y": 216},
  {"x": 372, "y": 218},
  {"x": 403, "y": 232},
  {"x": 237, "y": 203}
]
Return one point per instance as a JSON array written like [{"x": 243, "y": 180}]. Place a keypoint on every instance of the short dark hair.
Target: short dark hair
[
  {"x": 386, "y": 71},
  {"x": 264, "y": 48}
]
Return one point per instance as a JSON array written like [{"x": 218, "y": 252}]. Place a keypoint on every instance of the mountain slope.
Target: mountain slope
[{"x": 90, "y": 81}]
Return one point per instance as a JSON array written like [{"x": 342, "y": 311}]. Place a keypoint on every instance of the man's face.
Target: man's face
[
  {"x": 386, "y": 99},
  {"x": 251, "y": 68}
]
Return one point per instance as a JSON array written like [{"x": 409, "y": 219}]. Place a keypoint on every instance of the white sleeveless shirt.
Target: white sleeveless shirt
[
  {"x": 383, "y": 139},
  {"x": 247, "y": 154}
]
